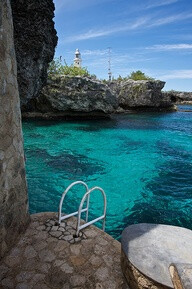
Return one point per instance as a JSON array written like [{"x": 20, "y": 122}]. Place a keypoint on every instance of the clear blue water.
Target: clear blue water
[{"x": 142, "y": 161}]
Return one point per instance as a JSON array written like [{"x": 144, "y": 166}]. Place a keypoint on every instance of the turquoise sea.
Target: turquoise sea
[{"x": 142, "y": 161}]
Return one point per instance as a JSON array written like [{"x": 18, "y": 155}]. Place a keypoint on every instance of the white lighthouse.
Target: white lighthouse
[{"x": 77, "y": 59}]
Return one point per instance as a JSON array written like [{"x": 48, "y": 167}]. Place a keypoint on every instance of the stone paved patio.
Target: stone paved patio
[{"x": 48, "y": 256}]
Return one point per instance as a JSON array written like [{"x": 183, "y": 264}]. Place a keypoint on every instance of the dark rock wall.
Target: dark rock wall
[
  {"x": 35, "y": 41},
  {"x": 179, "y": 97},
  {"x": 14, "y": 215}
]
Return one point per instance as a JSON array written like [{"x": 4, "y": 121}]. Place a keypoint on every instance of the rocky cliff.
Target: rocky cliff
[
  {"x": 35, "y": 40},
  {"x": 85, "y": 97},
  {"x": 179, "y": 97},
  {"x": 141, "y": 95},
  {"x": 74, "y": 96}
]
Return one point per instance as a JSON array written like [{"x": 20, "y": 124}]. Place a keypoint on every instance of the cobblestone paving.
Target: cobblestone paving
[{"x": 48, "y": 256}]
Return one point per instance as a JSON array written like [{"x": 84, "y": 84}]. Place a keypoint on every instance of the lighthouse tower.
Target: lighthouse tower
[{"x": 77, "y": 59}]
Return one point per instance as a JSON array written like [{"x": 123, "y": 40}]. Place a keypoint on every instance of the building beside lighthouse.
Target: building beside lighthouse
[{"x": 77, "y": 59}]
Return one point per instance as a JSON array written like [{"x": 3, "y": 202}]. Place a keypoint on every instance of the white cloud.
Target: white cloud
[
  {"x": 168, "y": 47},
  {"x": 160, "y": 3},
  {"x": 122, "y": 61},
  {"x": 88, "y": 35},
  {"x": 97, "y": 52},
  {"x": 73, "y": 5},
  {"x": 177, "y": 74},
  {"x": 170, "y": 19},
  {"x": 108, "y": 31},
  {"x": 125, "y": 59},
  {"x": 137, "y": 24},
  {"x": 140, "y": 23}
]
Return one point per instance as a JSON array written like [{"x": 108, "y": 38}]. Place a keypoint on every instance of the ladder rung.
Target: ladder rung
[
  {"x": 72, "y": 214},
  {"x": 91, "y": 222}
]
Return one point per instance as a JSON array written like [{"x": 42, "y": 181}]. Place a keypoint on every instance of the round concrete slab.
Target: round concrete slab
[{"x": 152, "y": 248}]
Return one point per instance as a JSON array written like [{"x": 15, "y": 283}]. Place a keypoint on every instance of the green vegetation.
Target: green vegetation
[
  {"x": 139, "y": 75},
  {"x": 57, "y": 68},
  {"x": 54, "y": 67},
  {"x": 135, "y": 75},
  {"x": 105, "y": 81}
]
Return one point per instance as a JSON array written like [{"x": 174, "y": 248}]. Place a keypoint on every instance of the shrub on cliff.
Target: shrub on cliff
[
  {"x": 54, "y": 67},
  {"x": 139, "y": 75},
  {"x": 74, "y": 71},
  {"x": 57, "y": 68},
  {"x": 134, "y": 75}
]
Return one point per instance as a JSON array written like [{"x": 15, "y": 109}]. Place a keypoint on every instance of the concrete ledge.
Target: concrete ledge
[
  {"x": 48, "y": 257},
  {"x": 135, "y": 279},
  {"x": 149, "y": 249}
]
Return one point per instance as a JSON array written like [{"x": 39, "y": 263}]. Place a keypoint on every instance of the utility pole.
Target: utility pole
[{"x": 109, "y": 63}]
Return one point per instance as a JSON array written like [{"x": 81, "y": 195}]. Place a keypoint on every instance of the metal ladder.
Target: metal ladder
[{"x": 80, "y": 210}]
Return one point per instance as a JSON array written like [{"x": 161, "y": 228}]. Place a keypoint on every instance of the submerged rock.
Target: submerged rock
[
  {"x": 35, "y": 40},
  {"x": 75, "y": 96},
  {"x": 142, "y": 95}
]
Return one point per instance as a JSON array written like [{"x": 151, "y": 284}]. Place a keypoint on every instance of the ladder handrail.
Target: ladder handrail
[
  {"x": 62, "y": 199},
  {"x": 87, "y": 194},
  {"x": 81, "y": 210}
]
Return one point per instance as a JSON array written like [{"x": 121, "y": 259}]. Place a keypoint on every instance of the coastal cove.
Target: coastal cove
[
  {"x": 143, "y": 162},
  {"x": 105, "y": 105}
]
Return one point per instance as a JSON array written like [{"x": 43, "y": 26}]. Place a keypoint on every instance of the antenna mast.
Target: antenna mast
[{"x": 109, "y": 63}]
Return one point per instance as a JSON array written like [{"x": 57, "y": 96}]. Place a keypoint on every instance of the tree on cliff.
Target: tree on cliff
[
  {"x": 134, "y": 75},
  {"x": 139, "y": 75}
]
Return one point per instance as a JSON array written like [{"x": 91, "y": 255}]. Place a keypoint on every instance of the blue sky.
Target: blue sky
[{"x": 154, "y": 36}]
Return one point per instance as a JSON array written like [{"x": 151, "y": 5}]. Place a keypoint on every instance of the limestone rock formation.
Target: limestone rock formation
[
  {"x": 142, "y": 94},
  {"x": 35, "y": 40},
  {"x": 179, "y": 97},
  {"x": 84, "y": 97},
  {"x": 75, "y": 96}
]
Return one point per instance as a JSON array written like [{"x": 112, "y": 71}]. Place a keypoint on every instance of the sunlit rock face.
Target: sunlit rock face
[
  {"x": 13, "y": 191},
  {"x": 35, "y": 40},
  {"x": 142, "y": 94},
  {"x": 75, "y": 96},
  {"x": 84, "y": 97}
]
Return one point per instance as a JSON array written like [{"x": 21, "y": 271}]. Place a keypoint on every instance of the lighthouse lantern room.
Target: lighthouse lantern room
[{"x": 77, "y": 59}]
